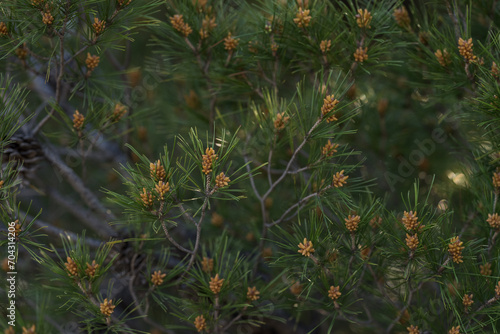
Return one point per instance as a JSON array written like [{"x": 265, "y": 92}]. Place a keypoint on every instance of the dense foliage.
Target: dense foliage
[{"x": 250, "y": 166}]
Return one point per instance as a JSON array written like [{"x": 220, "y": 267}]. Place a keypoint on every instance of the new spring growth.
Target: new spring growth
[
  {"x": 281, "y": 121},
  {"x": 410, "y": 221},
  {"x": 200, "y": 323},
  {"x": 306, "y": 248},
  {"x": 118, "y": 112},
  {"x": 22, "y": 52},
  {"x": 496, "y": 179},
  {"x": 1, "y": 183},
  {"x": 107, "y": 307},
  {"x": 217, "y": 220},
  {"x": 78, "y": 120},
  {"x": 266, "y": 253},
  {"x": 361, "y": 54},
  {"x": 252, "y": 46},
  {"x": 3, "y": 29},
  {"x": 303, "y": 3},
  {"x": 208, "y": 158},
  {"x": 402, "y": 18},
  {"x": 443, "y": 57},
  {"x": 364, "y": 18},
  {"x": 162, "y": 188},
  {"x": 329, "y": 103},
  {"x": 352, "y": 222},
  {"x": 99, "y": 26},
  {"x": 465, "y": 49},
  {"x": 423, "y": 37},
  {"x": 147, "y": 198},
  {"x": 157, "y": 171},
  {"x": 230, "y": 43},
  {"x": 92, "y": 61},
  {"x": 495, "y": 72},
  {"x": 124, "y": 3},
  {"x": 207, "y": 265},
  {"x": 71, "y": 267},
  {"x": 455, "y": 248},
  {"x": 334, "y": 292},
  {"x": 296, "y": 288},
  {"x": 467, "y": 300},
  {"x": 91, "y": 269},
  {"x": 178, "y": 24},
  {"x": 208, "y": 24},
  {"x": 494, "y": 220},
  {"x": 253, "y": 293},
  {"x": 200, "y": 5},
  {"x": 221, "y": 181},
  {"x": 329, "y": 149},
  {"x": 302, "y": 18},
  {"x": 485, "y": 269},
  {"x": 339, "y": 179},
  {"x": 497, "y": 291},
  {"x": 375, "y": 222},
  {"x": 325, "y": 46},
  {"x": 157, "y": 278},
  {"x": 274, "y": 48},
  {"x": 454, "y": 330},
  {"x": 37, "y": 3},
  {"x": 413, "y": 330},
  {"x": 47, "y": 17},
  {"x": 412, "y": 241},
  {"x": 17, "y": 229},
  {"x": 31, "y": 330},
  {"x": 216, "y": 284}
]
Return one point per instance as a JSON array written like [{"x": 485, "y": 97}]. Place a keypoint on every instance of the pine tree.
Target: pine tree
[{"x": 219, "y": 166}]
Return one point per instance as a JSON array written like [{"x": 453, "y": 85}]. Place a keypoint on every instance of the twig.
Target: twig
[
  {"x": 495, "y": 200},
  {"x": 57, "y": 232},
  {"x": 353, "y": 249},
  {"x": 238, "y": 317},
  {"x": 380, "y": 286},
  {"x": 252, "y": 181},
  {"x": 186, "y": 214},
  {"x": 488, "y": 303},
  {"x": 454, "y": 20},
  {"x": 169, "y": 237},
  {"x": 131, "y": 282},
  {"x": 61, "y": 68},
  {"x": 81, "y": 50},
  {"x": 84, "y": 215},
  {"x": 403, "y": 309},
  {"x": 273, "y": 186},
  {"x": 303, "y": 200},
  {"x": 269, "y": 159},
  {"x": 131, "y": 288},
  {"x": 491, "y": 242},
  {"x": 198, "y": 229},
  {"x": 216, "y": 314},
  {"x": 94, "y": 301},
  {"x": 292, "y": 159},
  {"x": 204, "y": 66},
  {"x": 467, "y": 223}
]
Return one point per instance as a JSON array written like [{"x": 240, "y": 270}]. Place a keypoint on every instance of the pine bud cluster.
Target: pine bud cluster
[
  {"x": 302, "y": 18},
  {"x": 455, "y": 249},
  {"x": 208, "y": 159},
  {"x": 329, "y": 104}
]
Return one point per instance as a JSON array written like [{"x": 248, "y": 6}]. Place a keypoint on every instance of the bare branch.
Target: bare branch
[
  {"x": 76, "y": 182},
  {"x": 84, "y": 215}
]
